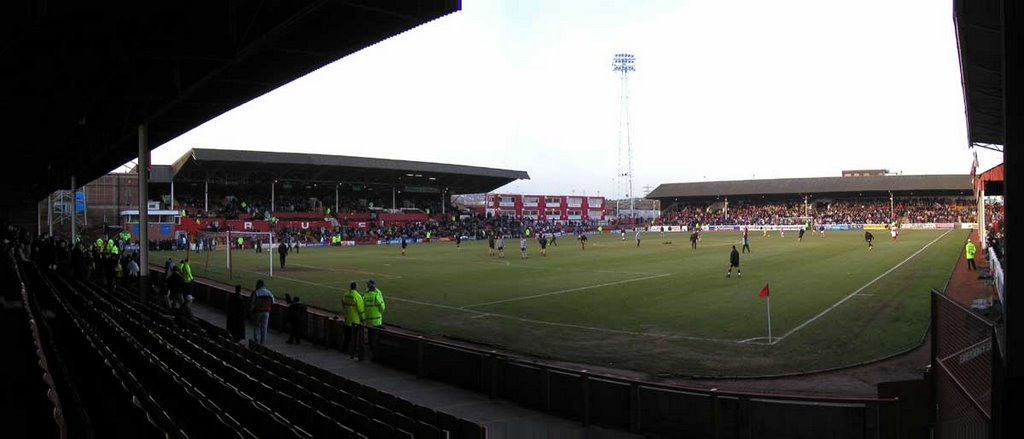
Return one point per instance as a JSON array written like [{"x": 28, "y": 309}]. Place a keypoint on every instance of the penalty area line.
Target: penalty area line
[{"x": 851, "y": 295}]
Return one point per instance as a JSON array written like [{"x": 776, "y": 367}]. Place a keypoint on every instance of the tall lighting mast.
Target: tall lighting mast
[{"x": 624, "y": 63}]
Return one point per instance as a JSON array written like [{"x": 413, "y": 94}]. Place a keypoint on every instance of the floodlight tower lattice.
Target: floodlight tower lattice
[{"x": 624, "y": 63}]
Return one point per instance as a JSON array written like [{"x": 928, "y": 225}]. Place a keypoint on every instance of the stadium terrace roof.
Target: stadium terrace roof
[
  {"x": 77, "y": 78},
  {"x": 991, "y": 180},
  {"x": 979, "y": 39},
  {"x": 243, "y": 167},
  {"x": 922, "y": 184}
]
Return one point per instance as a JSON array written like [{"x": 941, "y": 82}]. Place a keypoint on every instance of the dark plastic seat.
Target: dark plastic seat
[
  {"x": 382, "y": 430},
  {"x": 404, "y": 422},
  {"x": 428, "y": 431},
  {"x": 449, "y": 423},
  {"x": 425, "y": 414},
  {"x": 471, "y": 430},
  {"x": 386, "y": 400},
  {"x": 361, "y": 424},
  {"x": 385, "y": 415},
  {"x": 363, "y": 406},
  {"x": 405, "y": 407}
]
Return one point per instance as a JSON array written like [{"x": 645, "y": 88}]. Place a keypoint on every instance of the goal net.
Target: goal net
[{"x": 243, "y": 250}]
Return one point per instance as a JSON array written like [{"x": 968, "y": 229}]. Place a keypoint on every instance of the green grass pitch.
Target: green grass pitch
[{"x": 662, "y": 308}]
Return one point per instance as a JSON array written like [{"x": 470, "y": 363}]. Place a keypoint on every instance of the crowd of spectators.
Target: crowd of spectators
[
  {"x": 88, "y": 261},
  {"x": 257, "y": 205},
  {"x": 478, "y": 226},
  {"x": 995, "y": 228},
  {"x": 466, "y": 226},
  {"x": 838, "y": 211}
]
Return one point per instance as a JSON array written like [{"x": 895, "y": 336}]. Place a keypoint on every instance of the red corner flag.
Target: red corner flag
[{"x": 764, "y": 292}]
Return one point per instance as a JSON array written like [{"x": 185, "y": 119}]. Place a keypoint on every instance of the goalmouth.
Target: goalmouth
[{"x": 235, "y": 241}]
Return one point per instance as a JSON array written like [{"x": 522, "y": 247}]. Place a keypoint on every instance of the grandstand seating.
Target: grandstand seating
[
  {"x": 30, "y": 396},
  {"x": 142, "y": 375},
  {"x": 793, "y": 211}
]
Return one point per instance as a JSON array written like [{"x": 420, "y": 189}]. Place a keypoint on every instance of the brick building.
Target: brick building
[{"x": 556, "y": 208}]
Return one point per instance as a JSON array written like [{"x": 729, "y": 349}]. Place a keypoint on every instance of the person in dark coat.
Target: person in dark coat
[
  {"x": 236, "y": 315},
  {"x": 734, "y": 261},
  {"x": 176, "y": 289},
  {"x": 282, "y": 248},
  {"x": 296, "y": 320}
]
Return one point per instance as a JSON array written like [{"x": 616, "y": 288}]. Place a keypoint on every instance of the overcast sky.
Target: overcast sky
[{"x": 722, "y": 90}]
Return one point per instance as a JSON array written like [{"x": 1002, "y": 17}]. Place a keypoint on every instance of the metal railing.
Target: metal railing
[{"x": 595, "y": 398}]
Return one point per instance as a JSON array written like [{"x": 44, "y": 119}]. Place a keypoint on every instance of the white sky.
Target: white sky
[{"x": 723, "y": 90}]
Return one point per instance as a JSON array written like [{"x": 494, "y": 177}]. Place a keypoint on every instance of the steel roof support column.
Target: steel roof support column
[
  {"x": 143, "y": 168},
  {"x": 982, "y": 232},
  {"x": 172, "y": 193},
  {"x": 74, "y": 207},
  {"x": 206, "y": 195}
]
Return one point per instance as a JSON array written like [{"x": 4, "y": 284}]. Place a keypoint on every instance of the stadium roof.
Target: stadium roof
[
  {"x": 219, "y": 165},
  {"x": 77, "y": 78},
  {"x": 816, "y": 186},
  {"x": 980, "y": 42},
  {"x": 991, "y": 180}
]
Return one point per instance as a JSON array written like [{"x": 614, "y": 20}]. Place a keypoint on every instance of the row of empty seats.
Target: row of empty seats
[{"x": 191, "y": 381}]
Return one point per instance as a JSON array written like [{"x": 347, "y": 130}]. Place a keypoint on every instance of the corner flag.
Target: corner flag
[{"x": 764, "y": 295}]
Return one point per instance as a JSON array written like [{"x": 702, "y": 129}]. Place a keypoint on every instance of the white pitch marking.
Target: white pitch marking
[
  {"x": 570, "y": 290},
  {"x": 346, "y": 270},
  {"x": 480, "y": 314},
  {"x": 841, "y": 301}
]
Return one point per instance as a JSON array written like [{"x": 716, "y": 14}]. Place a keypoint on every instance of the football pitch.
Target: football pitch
[{"x": 662, "y": 308}]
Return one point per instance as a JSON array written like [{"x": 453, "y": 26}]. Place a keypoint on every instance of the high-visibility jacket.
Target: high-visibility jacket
[
  {"x": 970, "y": 249},
  {"x": 186, "y": 271},
  {"x": 352, "y": 305},
  {"x": 113, "y": 249},
  {"x": 373, "y": 303}
]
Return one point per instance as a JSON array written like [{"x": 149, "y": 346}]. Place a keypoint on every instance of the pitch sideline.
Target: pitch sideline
[
  {"x": 851, "y": 295},
  {"x": 481, "y": 314}
]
